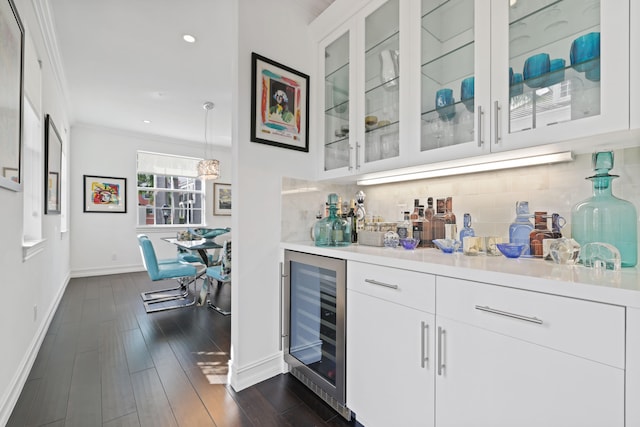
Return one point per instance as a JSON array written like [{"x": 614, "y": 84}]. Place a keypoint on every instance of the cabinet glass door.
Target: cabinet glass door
[
  {"x": 554, "y": 62},
  {"x": 336, "y": 112},
  {"x": 447, "y": 73},
  {"x": 382, "y": 81}
]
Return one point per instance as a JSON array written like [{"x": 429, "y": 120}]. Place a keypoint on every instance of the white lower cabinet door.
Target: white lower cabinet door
[
  {"x": 390, "y": 366},
  {"x": 487, "y": 379}
]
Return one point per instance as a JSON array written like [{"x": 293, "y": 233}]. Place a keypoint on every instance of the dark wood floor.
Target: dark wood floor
[{"x": 105, "y": 362}]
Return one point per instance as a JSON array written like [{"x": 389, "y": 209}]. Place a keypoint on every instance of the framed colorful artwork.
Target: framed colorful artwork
[
  {"x": 11, "y": 87},
  {"x": 221, "y": 199},
  {"x": 279, "y": 105},
  {"x": 52, "y": 166},
  {"x": 105, "y": 194}
]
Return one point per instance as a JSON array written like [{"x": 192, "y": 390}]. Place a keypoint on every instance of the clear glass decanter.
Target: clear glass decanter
[
  {"x": 521, "y": 227},
  {"x": 332, "y": 230},
  {"x": 466, "y": 231},
  {"x": 605, "y": 218}
]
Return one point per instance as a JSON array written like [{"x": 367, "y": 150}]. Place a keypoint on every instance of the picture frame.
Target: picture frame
[
  {"x": 52, "y": 167},
  {"x": 11, "y": 93},
  {"x": 221, "y": 199},
  {"x": 279, "y": 105},
  {"x": 104, "y": 194}
]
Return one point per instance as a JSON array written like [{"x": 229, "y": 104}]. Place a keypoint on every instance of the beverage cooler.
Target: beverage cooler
[{"x": 314, "y": 292}]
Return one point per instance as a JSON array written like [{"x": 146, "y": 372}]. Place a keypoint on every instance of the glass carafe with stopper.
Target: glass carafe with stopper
[
  {"x": 521, "y": 227},
  {"x": 332, "y": 230},
  {"x": 605, "y": 218}
]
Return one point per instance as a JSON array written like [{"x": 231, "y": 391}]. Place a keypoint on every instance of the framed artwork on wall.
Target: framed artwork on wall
[
  {"x": 105, "y": 194},
  {"x": 279, "y": 105},
  {"x": 221, "y": 199},
  {"x": 11, "y": 86},
  {"x": 52, "y": 166}
]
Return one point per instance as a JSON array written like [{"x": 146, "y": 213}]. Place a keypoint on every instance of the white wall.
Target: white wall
[
  {"x": 257, "y": 178},
  {"x": 40, "y": 280},
  {"x": 105, "y": 243}
]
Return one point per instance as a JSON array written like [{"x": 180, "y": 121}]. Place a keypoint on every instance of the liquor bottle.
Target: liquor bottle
[
  {"x": 466, "y": 231},
  {"x": 404, "y": 227},
  {"x": 353, "y": 220},
  {"x": 540, "y": 232},
  {"x": 429, "y": 212},
  {"x": 426, "y": 237},
  {"x": 521, "y": 227},
  {"x": 416, "y": 206},
  {"x": 417, "y": 225},
  {"x": 450, "y": 226},
  {"x": 332, "y": 230},
  {"x": 605, "y": 218},
  {"x": 437, "y": 222}
]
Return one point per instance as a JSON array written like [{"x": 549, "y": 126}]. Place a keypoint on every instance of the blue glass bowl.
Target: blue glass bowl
[
  {"x": 446, "y": 245},
  {"x": 408, "y": 243},
  {"x": 511, "y": 250},
  {"x": 209, "y": 233}
]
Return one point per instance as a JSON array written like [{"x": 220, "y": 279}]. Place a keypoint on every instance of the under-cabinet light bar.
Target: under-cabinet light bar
[{"x": 565, "y": 156}]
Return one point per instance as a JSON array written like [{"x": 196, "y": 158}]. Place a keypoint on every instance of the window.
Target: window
[{"x": 169, "y": 191}]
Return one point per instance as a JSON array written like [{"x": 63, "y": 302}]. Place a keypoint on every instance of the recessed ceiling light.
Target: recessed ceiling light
[
  {"x": 146, "y": 121},
  {"x": 189, "y": 38}
]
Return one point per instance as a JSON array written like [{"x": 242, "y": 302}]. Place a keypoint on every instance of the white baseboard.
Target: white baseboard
[
  {"x": 246, "y": 376},
  {"x": 8, "y": 402},
  {"x": 105, "y": 271}
]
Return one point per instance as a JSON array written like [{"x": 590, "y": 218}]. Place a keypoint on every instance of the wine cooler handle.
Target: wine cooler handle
[
  {"x": 441, "y": 365},
  {"x": 282, "y": 334},
  {"x": 424, "y": 345},
  {"x": 496, "y": 110},
  {"x": 480, "y": 120}
]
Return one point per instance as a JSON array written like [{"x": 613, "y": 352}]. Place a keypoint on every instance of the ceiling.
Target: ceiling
[{"x": 125, "y": 62}]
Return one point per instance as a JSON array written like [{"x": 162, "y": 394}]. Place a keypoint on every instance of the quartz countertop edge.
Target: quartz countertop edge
[{"x": 532, "y": 274}]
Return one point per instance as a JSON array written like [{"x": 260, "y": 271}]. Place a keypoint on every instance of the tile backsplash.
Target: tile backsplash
[{"x": 489, "y": 197}]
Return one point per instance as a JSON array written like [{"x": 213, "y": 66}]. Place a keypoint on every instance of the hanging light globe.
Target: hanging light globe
[{"x": 208, "y": 168}]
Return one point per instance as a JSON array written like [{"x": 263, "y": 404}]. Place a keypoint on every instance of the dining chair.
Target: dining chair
[
  {"x": 184, "y": 273},
  {"x": 221, "y": 274}
]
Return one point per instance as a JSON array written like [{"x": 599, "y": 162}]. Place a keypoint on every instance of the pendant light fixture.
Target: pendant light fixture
[{"x": 208, "y": 168}]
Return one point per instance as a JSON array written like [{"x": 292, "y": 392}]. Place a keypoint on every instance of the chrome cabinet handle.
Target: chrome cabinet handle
[
  {"x": 441, "y": 365},
  {"x": 480, "y": 120},
  {"x": 496, "y": 108},
  {"x": 386, "y": 285},
  {"x": 350, "y": 149},
  {"x": 424, "y": 344},
  {"x": 282, "y": 334},
  {"x": 357, "y": 155},
  {"x": 507, "y": 314}
]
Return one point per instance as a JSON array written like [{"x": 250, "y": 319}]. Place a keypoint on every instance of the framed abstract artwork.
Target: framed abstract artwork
[
  {"x": 279, "y": 105},
  {"x": 52, "y": 166},
  {"x": 221, "y": 199},
  {"x": 105, "y": 194},
  {"x": 11, "y": 87}
]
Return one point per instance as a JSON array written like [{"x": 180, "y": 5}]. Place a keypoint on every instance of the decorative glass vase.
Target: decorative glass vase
[
  {"x": 603, "y": 217},
  {"x": 521, "y": 227},
  {"x": 332, "y": 230}
]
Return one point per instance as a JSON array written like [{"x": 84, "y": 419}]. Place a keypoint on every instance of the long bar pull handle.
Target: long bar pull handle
[
  {"x": 424, "y": 344},
  {"x": 282, "y": 334},
  {"x": 350, "y": 148},
  {"x": 386, "y": 285},
  {"x": 357, "y": 155},
  {"x": 496, "y": 110},
  {"x": 441, "y": 365},
  {"x": 507, "y": 314},
  {"x": 480, "y": 120}
]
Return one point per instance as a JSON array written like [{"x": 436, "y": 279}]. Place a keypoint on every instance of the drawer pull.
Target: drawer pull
[
  {"x": 424, "y": 350},
  {"x": 441, "y": 365},
  {"x": 386, "y": 285},
  {"x": 507, "y": 314}
]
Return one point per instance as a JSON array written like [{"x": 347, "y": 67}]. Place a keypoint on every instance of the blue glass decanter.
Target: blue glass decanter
[{"x": 521, "y": 227}]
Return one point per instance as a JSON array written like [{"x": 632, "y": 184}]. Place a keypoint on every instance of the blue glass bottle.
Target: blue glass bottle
[
  {"x": 466, "y": 231},
  {"x": 332, "y": 230},
  {"x": 605, "y": 218},
  {"x": 521, "y": 227}
]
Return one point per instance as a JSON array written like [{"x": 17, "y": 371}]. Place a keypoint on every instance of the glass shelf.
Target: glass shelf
[
  {"x": 450, "y": 66},
  {"x": 448, "y": 19},
  {"x": 340, "y": 111},
  {"x": 382, "y": 142}
]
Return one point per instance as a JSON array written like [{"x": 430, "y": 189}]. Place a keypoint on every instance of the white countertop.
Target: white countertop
[{"x": 619, "y": 287}]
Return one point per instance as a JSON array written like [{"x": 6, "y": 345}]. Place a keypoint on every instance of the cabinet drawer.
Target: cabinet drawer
[
  {"x": 409, "y": 288},
  {"x": 587, "y": 329}
]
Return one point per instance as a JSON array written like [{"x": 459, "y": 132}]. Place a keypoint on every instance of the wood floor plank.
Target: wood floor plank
[
  {"x": 151, "y": 400},
  {"x": 40, "y": 364},
  {"x": 21, "y": 412},
  {"x": 130, "y": 420},
  {"x": 52, "y": 398},
  {"x": 85, "y": 396},
  {"x": 135, "y": 348}
]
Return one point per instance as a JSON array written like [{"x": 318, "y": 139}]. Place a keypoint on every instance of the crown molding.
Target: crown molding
[{"x": 44, "y": 16}]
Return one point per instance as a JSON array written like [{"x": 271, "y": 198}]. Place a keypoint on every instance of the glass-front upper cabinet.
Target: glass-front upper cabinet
[
  {"x": 380, "y": 113},
  {"x": 454, "y": 78},
  {"x": 560, "y": 70},
  {"x": 337, "y": 150}
]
